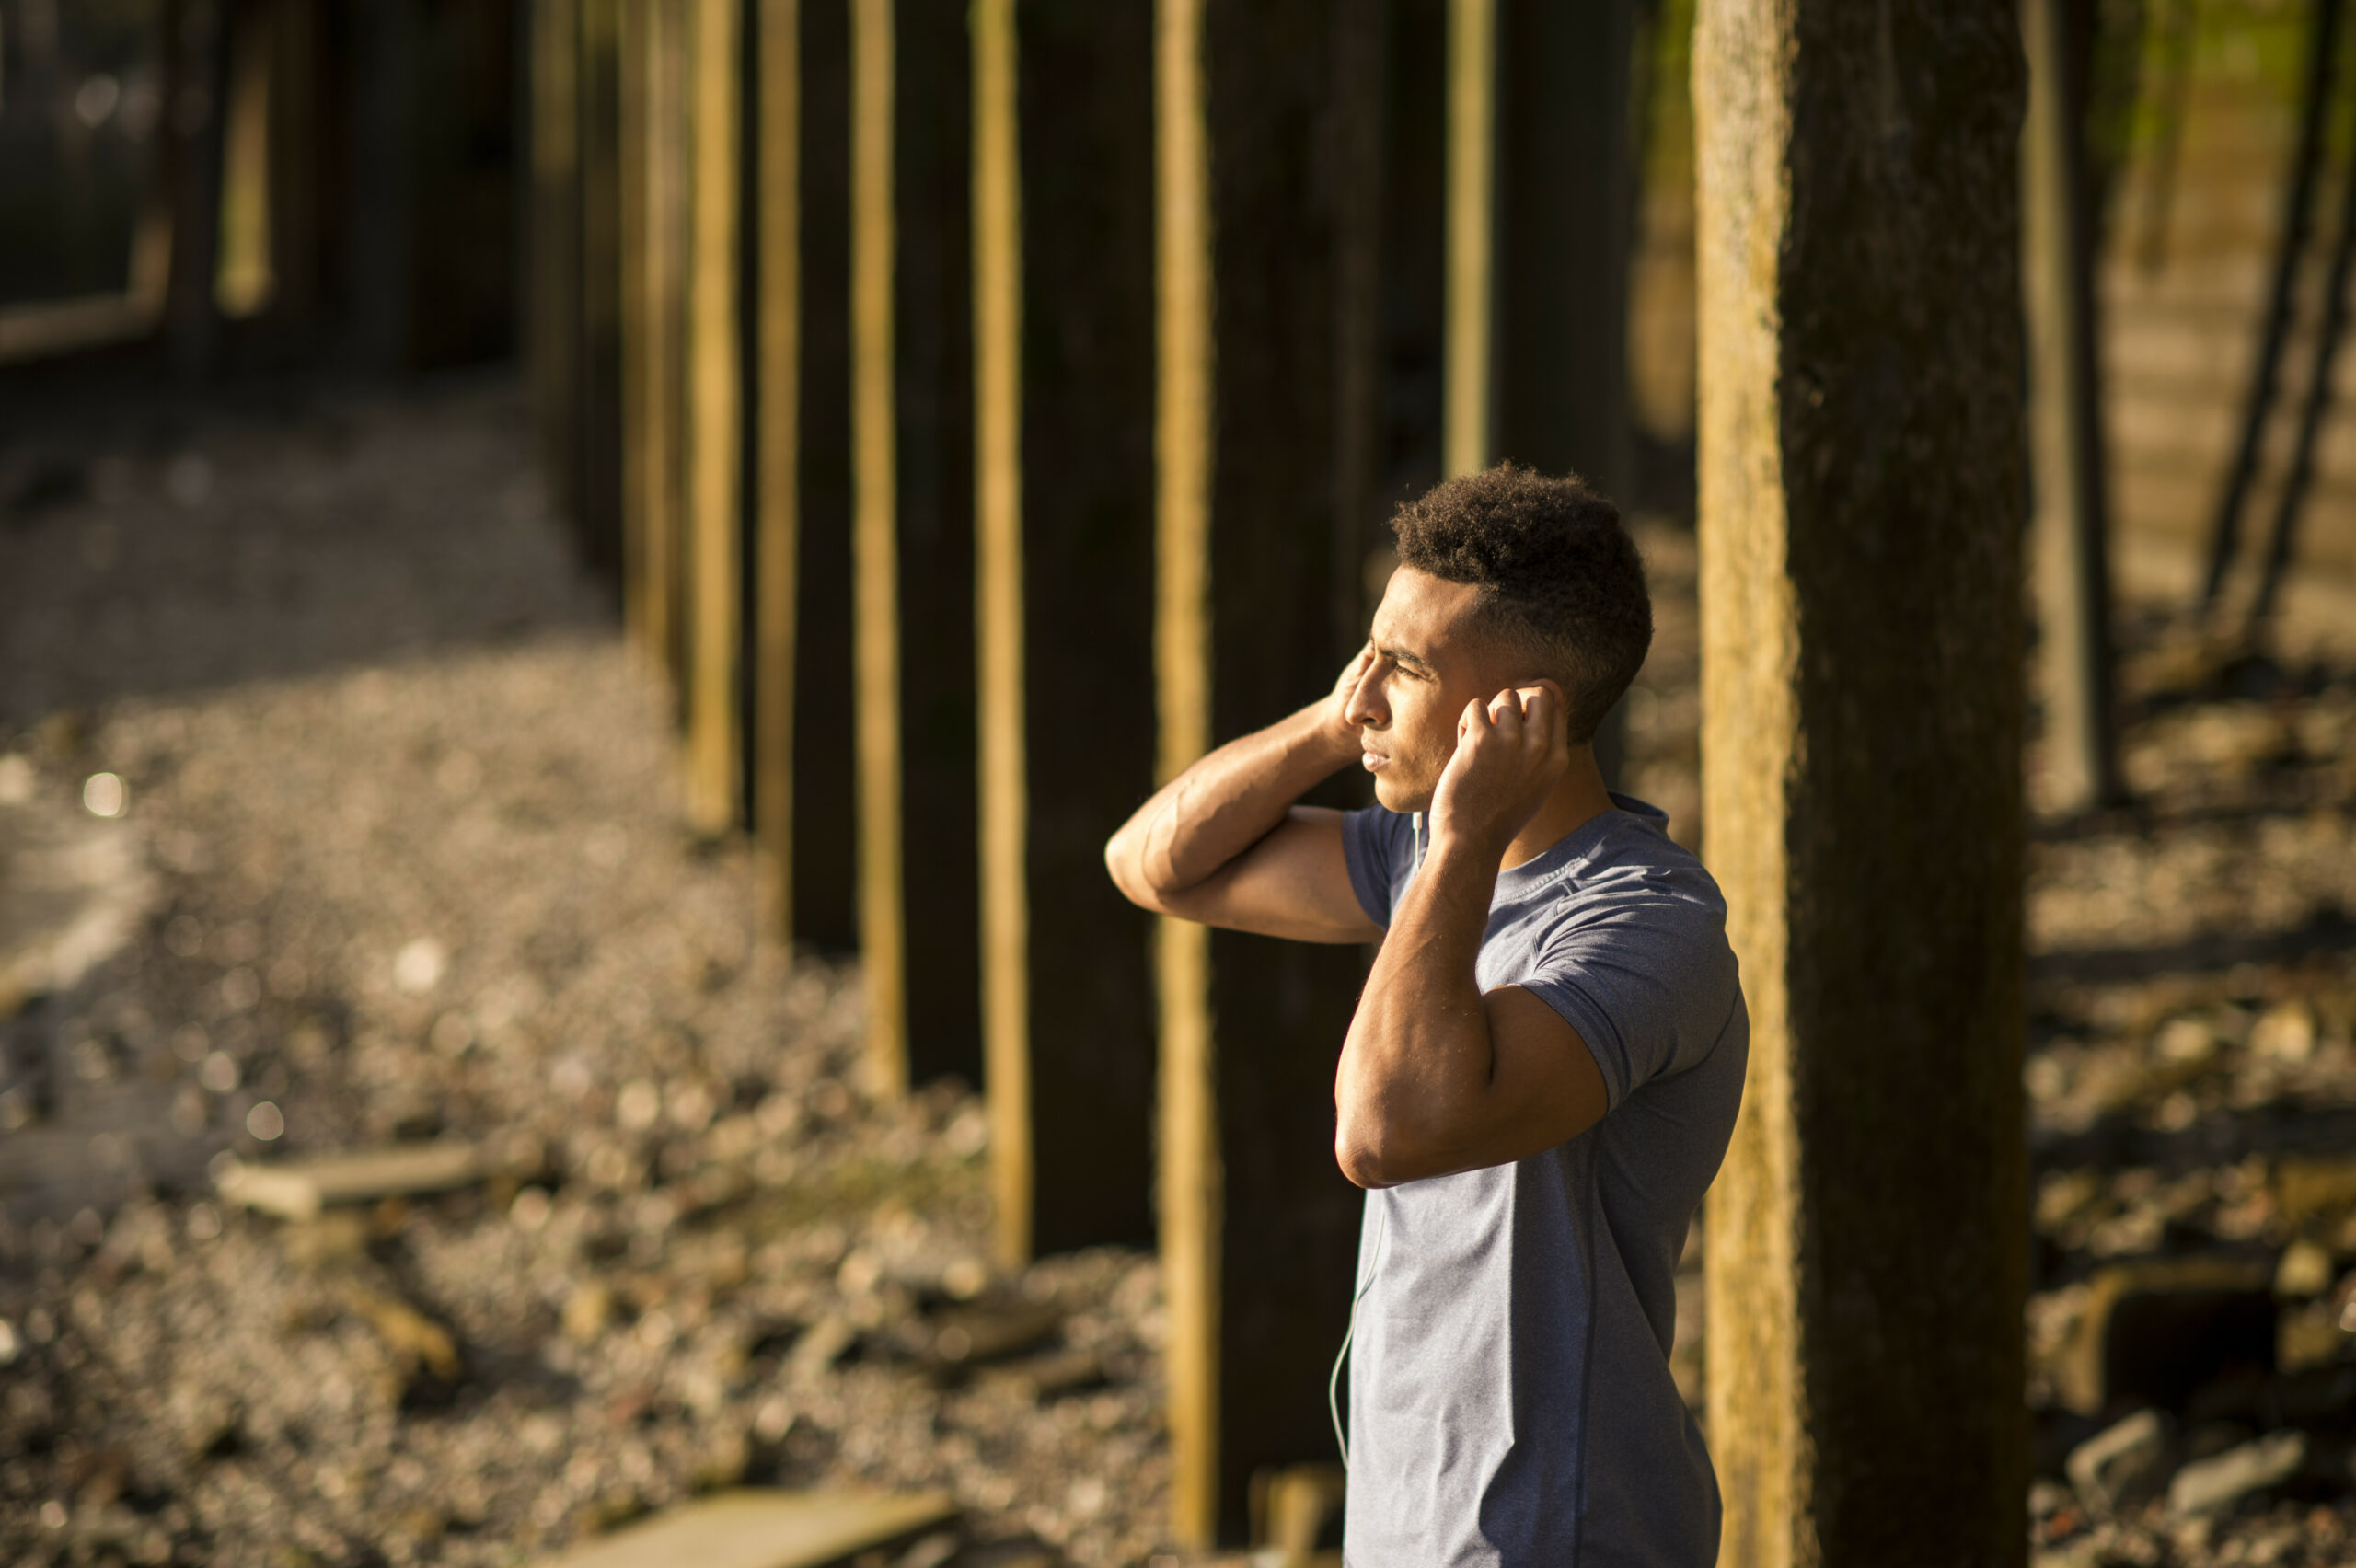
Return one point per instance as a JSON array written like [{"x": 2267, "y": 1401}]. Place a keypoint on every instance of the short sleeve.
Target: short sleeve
[
  {"x": 1650, "y": 986},
  {"x": 1380, "y": 847}
]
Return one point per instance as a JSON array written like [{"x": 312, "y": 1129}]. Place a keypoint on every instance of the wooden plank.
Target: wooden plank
[
  {"x": 554, "y": 240},
  {"x": 825, "y": 859},
  {"x": 1063, "y": 176},
  {"x": 751, "y": 1529},
  {"x": 1259, "y": 1229},
  {"x": 1862, "y": 695},
  {"x": 299, "y": 1189},
  {"x": 913, "y": 539},
  {"x": 714, "y": 436},
  {"x": 777, "y": 452},
  {"x": 656, "y": 351}
]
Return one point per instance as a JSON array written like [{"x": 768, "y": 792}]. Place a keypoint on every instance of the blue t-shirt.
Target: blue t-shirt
[{"x": 1511, "y": 1397}]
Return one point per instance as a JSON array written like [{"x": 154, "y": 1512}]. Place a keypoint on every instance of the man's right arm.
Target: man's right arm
[{"x": 1226, "y": 842}]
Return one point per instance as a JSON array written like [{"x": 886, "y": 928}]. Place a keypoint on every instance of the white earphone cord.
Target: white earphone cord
[
  {"x": 1333, "y": 1383},
  {"x": 1374, "y": 1261}
]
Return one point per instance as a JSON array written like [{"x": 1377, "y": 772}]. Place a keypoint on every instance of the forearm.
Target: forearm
[
  {"x": 1226, "y": 802},
  {"x": 1419, "y": 1062}
]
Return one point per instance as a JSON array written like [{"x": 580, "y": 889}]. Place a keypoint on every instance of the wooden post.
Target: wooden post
[
  {"x": 1861, "y": 484},
  {"x": 1541, "y": 199},
  {"x": 911, "y": 301},
  {"x": 826, "y": 791},
  {"x": 555, "y": 238},
  {"x": 598, "y": 401},
  {"x": 2072, "y": 511},
  {"x": 1259, "y": 1229},
  {"x": 777, "y": 399},
  {"x": 1063, "y": 310},
  {"x": 654, "y": 109},
  {"x": 715, "y": 520}
]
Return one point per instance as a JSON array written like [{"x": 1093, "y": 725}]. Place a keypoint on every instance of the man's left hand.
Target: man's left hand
[{"x": 1511, "y": 752}]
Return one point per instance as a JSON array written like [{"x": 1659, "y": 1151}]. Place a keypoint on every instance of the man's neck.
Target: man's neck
[{"x": 1578, "y": 799}]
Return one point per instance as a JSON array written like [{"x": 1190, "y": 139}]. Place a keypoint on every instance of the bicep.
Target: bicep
[
  {"x": 1544, "y": 1086},
  {"x": 1294, "y": 883}
]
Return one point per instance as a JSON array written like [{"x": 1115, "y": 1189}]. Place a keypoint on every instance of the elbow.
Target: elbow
[
  {"x": 1124, "y": 863},
  {"x": 1370, "y": 1153}
]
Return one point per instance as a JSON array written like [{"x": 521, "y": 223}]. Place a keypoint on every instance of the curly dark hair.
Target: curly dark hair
[{"x": 1558, "y": 573}]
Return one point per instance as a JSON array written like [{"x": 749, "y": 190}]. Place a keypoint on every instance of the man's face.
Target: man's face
[{"x": 1431, "y": 658}]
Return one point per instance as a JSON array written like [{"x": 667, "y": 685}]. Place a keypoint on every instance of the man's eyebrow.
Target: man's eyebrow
[{"x": 1400, "y": 656}]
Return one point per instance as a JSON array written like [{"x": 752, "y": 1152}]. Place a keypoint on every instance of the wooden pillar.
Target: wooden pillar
[
  {"x": 1259, "y": 1229},
  {"x": 715, "y": 446},
  {"x": 196, "y": 70},
  {"x": 598, "y": 401},
  {"x": 1862, "y": 485},
  {"x": 776, "y": 116},
  {"x": 912, "y": 378},
  {"x": 2072, "y": 511},
  {"x": 1540, "y": 200},
  {"x": 554, "y": 307},
  {"x": 825, "y": 811},
  {"x": 1063, "y": 304},
  {"x": 653, "y": 107}
]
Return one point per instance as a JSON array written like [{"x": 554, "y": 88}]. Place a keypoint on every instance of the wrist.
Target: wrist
[{"x": 1331, "y": 742}]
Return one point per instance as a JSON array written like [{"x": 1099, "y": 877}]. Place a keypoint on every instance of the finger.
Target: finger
[
  {"x": 1539, "y": 707},
  {"x": 1475, "y": 721}
]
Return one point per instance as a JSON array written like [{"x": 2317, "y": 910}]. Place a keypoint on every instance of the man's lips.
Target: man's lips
[{"x": 1373, "y": 759}]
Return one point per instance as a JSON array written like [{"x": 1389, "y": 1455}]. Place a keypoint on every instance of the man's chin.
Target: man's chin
[{"x": 1395, "y": 796}]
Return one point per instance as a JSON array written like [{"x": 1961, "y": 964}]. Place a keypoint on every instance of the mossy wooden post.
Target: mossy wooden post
[
  {"x": 1862, "y": 488},
  {"x": 825, "y": 842},
  {"x": 714, "y": 522},
  {"x": 912, "y": 384},
  {"x": 1256, "y": 393},
  {"x": 1063, "y": 302}
]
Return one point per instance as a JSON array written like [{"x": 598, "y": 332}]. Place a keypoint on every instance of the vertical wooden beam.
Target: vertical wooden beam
[
  {"x": 598, "y": 405},
  {"x": 911, "y": 300},
  {"x": 882, "y": 931},
  {"x": 825, "y": 793},
  {"x": 1468, "y": 383},
  {"x": 778, "y": 504},
  {"x": 2072, "y": 503},
  {"x": 1063, "y": 310},
  {"x": 555, "y": 238},
  {"x": 1861, "y": 491},
  {"x": 715, "y": 434},
  {"x": 1259, "y": 1229}
]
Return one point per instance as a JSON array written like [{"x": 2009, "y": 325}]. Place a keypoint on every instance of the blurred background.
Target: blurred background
[{"x": 496, "y": 1034}]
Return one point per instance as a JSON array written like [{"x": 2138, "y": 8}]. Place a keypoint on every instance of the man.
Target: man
[{"x": 1545, "y": 1063}]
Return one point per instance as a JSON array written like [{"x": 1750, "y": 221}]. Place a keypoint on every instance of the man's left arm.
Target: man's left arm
[{"x": 1438, "y": 1075}]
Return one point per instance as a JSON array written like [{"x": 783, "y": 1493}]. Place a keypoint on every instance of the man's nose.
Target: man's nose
[{"x": 1365, "y": 706}]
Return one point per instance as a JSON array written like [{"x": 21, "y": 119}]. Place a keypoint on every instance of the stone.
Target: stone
[
  {"x": 2157, "y": 1330},
  {"x": 968, "y": 1336},
  {"x": 2303, "y": 1270},
  {"x": 299, "y": 1189},
  {"x": 2210, "y": 1485},
  {"x": 2119, "y": 1464},
  {"x": 754, "y": 1528}
]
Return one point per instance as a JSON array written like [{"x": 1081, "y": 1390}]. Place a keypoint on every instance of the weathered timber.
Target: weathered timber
[
  {"x": 1258, "y": 1227},
  {"x": 826, "y": 857},
  {"x": 713, "y": 532},
  {"x": 299, "y": 1189},
  {"x": 913, "y": 534},
  {"x": 555, "y": 238},
  {"x": 752, "y": 1529},
  {"x": 654, "y": 106},
  {"x": 776, "y": 396},
  {"x": 1063, "y": 292},
  {"x": 1861, "y": 484},
  {"x": 2072, "y": 513}
]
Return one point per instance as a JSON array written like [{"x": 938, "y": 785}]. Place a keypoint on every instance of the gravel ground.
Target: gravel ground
[
  {"x": 417, "y": 873},
  {"x": 413, "y": 869}
]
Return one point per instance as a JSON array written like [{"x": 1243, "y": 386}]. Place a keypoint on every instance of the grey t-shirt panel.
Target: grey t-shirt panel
[{"x": 1511, "y": 1401}]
